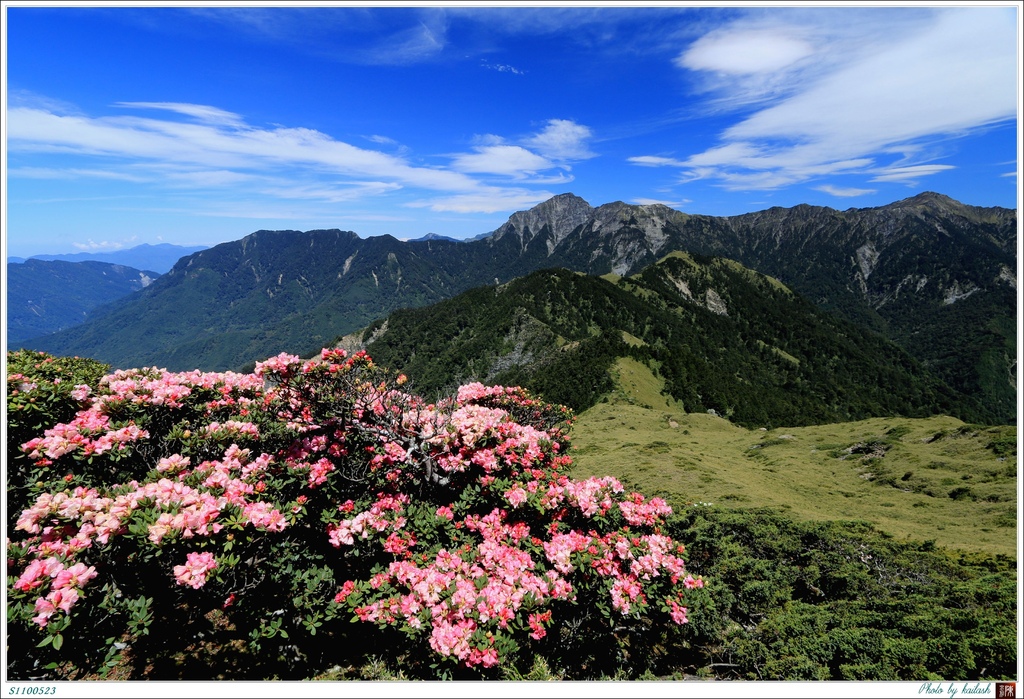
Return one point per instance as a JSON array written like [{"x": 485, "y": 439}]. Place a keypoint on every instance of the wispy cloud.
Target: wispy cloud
[
  {"x": 490, "y": 201},
  {"x": 219, "y": 144},
  {"x": 837, "y": 107},
  {"x": 52, "y": 173},
  {"x": 201, "y": 112},
  {"x": 420, "y": 34},
  {"x": 502, "y": 160},
  {"x": 213, "y": 148},
  {"x": 656, "y": 161},
  {"x": 502, "y": 68},
  {"x": 909, "y": 174},
  {"x": 642, "y": 201},
  {"x": 560, "y": 143},
  {"x": 359, "y": 35},
  {"x": 93, "y": 246},
  {"x": 844, "y": 191}
]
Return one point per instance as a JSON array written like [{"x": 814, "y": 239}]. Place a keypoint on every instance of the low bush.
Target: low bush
[{"x": 210, "y": 525}]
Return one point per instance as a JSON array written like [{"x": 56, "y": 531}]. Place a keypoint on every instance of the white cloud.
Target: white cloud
[
  {"x": 556, "y": 146},
  {"x": 501, "y": 160},
  {"x": 332, "y": 191},
  {"x": 219, "y": 145},
  {"x": 562, "y": 139},
  {"x": 642, "y": 201},
  {"x": 656, "y": 161},
  {"x": 212, "y": 149},
  {"x": 848, "y": 108},
  {"x": 910, "y": 173},
  {"x": 51, "y": 173},
  {"x": 92, "y": 246},
  {"x": 502, "y": 68},
  {"x": 216, "y": 150},
  {"x": 488, "y": 202},
  {"x": 744, "y": 52},
  {"x": 844, "y": 191},
  {"x": 202, "y": 112}
]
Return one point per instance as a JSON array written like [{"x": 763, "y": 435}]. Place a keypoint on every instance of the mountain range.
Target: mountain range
[
  {"x": 158, "y": 258},
  {"x": 932, "y": 275},
  {"x": 719, "y": 337}
]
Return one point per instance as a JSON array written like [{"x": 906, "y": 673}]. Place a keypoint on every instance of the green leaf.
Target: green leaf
[{"x": 58, "y": 641}]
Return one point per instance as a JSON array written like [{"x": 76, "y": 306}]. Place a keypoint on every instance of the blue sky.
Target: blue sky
[{"x": 198, "y": 125}]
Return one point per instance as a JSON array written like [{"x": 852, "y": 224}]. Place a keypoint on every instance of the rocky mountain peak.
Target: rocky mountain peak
[
  {"x": 561, "y": 214},
  {"x": 929, "y": 199},
  {"x": 931, "y": 204}
]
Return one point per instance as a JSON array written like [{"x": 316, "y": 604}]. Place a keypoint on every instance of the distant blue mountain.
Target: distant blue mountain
[
  {"x": 157, "y": 258},
  {"x": 434, "y": 236}
]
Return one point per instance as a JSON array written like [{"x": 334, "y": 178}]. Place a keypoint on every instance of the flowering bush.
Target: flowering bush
[{"x": 278, "y": 505}]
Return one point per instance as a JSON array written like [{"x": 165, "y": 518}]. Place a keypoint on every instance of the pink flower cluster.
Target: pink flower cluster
[
  {"x": 90, "y": 432},
  {"x": 282, "y": 365},
  {"x": 154, "y": 386},
  {"x": 54, "y": 515},
  {"x": 384, "y": 515},
  {"x": 64, "y": 588},
  {"x": 477, "y": 391},
  {"x": 465, "y": 597},
  {"x": 67, "y": 523},
  {"x": 466, "y": 573},
  {"x": 638, "y": 512},
  {"x": 21, "y": 384},
  {"x": 468, "y": 597},
  {"x": 196, "y": 567},
  {"x": 77, "y": 436}
]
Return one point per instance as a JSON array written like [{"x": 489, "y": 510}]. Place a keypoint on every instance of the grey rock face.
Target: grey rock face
[{"x": 560, "y": 215}]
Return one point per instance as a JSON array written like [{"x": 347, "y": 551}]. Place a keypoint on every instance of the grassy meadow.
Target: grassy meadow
[{"x": 936, "y": 479}]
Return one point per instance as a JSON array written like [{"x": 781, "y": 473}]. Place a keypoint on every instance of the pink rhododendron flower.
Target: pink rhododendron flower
[
  {"x": 690, "y": 582},
  {"x": 678, "y": 613},
  {"x": 75, "y": 576},
  {"x": 347, "y": 589},
  {"x": 193, "y": 573},
  {"x": 32, "y": 577}
]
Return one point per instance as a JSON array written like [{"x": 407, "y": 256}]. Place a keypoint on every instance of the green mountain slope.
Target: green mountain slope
[
  {"x": 935, "y": 479},
  {"x": 722, "y": 338},
  {"x": 934, "y": 275},
  {"x": 46, "y": 296},
  {"x": 273, "y": 291}
]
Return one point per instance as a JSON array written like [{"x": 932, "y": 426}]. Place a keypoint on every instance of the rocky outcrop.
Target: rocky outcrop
[{"x": 557, "y": 217}]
